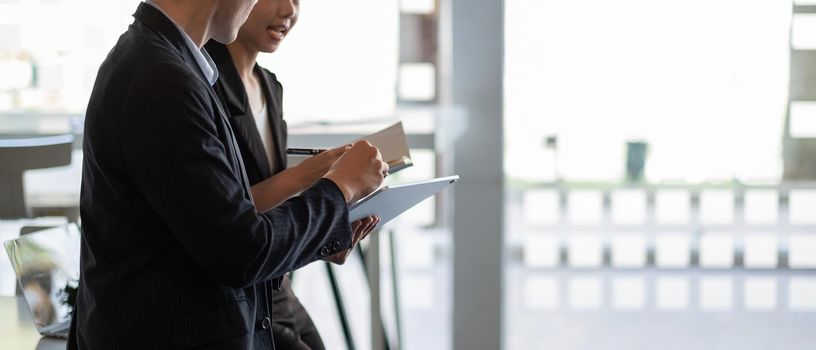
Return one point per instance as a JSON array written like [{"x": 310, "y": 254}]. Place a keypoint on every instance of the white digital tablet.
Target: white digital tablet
[{"x": 391, "y": 201}]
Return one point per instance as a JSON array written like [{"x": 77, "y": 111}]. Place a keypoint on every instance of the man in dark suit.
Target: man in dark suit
[{"x": 173, "y": 247}]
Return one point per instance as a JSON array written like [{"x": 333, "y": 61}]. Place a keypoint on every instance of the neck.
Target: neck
[
  {"x": 194, "y": 17},
  {"x": 244, "y": 59}
]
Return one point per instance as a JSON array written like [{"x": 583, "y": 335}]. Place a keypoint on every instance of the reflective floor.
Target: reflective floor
[
  {"x": 424, "y": 292},
  {"x": 620, "y": 268},
  {"x": 651, "y": 309},
  {"x": 590, "y": 308}
]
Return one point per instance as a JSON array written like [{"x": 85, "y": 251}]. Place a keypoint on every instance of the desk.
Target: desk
[{"x": 18, "y": 332}]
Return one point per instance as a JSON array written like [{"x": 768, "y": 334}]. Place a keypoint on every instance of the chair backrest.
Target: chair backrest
[{"x": 23, "y": 152}]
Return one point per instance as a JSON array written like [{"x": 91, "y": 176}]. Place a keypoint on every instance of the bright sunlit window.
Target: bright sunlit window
[
  {"x": 703, "y": 82},
  {"x": 53, "y": 49},
  {"x": 335, "y": 65}
]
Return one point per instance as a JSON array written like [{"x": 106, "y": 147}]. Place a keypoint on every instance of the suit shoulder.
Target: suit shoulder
[{"x": 140, "y": 56}]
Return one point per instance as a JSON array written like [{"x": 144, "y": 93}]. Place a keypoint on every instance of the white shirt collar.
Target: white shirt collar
[{"x": 202, "y": 58}]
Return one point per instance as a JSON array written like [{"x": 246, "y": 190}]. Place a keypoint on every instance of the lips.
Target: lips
[{"x": 277, "y": 32}]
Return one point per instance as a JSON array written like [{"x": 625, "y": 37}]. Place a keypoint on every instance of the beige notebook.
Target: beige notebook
[
  {"x": 393, "y": 146},
  {"x": 391, "y": 142}
]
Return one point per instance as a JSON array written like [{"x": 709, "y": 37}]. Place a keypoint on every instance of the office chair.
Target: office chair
[{"x": 23, "y": 152}]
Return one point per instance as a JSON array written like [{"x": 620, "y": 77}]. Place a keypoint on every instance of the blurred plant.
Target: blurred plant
[{"x": 68, "y": 295}]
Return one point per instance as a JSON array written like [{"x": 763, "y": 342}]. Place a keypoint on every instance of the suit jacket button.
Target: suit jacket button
[
  {"x": 266, "y": 323},
  {"x": 336, "y": 245}
]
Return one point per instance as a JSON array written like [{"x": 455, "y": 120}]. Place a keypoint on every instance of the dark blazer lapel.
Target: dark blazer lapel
[
  {"x": 274, "y": 109},
  {"x": 240, "y": 115},
  {"x": 232, "y": 146}
]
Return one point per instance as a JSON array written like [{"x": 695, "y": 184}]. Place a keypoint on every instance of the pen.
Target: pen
[{"x": 304, "y": 151}]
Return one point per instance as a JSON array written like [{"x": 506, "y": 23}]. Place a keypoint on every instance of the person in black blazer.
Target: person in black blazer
[
  {"x": 174, "y": 252},
  {"x": 252, "y": 97}
]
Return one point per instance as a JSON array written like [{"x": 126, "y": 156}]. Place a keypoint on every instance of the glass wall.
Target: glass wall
[
  {"x": 346, "y": 64},
  {"x": 50, "y": 51},
  {"x": 650, "y": 201},
  {"x": 703, "y": 83}
]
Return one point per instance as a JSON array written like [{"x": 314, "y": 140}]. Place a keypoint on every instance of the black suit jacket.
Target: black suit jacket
[
  {"x": 230, "y": 88},
  {"x": 290, "y": 319},
  {"x": 172, "y": 247}
]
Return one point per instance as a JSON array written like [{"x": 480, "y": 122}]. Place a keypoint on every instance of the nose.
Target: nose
[{"x": 288, "y": 9}]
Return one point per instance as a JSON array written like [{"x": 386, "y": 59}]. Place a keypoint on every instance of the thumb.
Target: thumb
[{"x": 340, "y": 150}]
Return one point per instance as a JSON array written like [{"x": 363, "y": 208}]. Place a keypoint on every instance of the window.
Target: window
[
  {"x": 680, "y": 75},
  {"x": 51, "y": 51},
  {"x": 336, "y": 67}
]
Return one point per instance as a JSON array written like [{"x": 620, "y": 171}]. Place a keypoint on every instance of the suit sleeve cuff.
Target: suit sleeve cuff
[{"x": 343, "y": 235}]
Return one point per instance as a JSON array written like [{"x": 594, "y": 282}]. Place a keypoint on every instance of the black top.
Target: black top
[
  {"x": 172, "y": 246},
  {"x": 291, "y": 323},
  {"x": 231, "y": 90}
]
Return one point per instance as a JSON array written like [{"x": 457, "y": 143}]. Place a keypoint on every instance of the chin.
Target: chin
[
  {"x": 270, "y": 48},
  {"x": 226, "y": 38}
]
